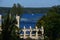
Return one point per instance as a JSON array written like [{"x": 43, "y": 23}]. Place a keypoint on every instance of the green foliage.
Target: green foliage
[
  {"x": 28, "y": 38},
  {"x": 51, "y": 23},
  {"x": 27, "y": 10},
  {"x": 9, "y": 29},
  {"x": 17, "y": 9}
]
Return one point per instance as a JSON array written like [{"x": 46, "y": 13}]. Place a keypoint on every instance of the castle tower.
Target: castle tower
[
  {"x": 0, "y": 23},
  {"x": 42, "y": 30},
  {"x": 18, "y": 19}
]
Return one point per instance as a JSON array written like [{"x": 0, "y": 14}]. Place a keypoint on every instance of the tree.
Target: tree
[
  {"x": 9, "y": 24},
  {"x": 51, "y": 22},
  {"x": 17, "y": 9}
]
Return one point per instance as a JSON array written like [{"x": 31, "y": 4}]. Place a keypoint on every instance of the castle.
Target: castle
[{"x": 36, "y": 35}]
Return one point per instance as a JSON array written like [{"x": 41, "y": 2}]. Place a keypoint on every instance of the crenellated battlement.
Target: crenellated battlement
[{"x": 35, "y": 35}]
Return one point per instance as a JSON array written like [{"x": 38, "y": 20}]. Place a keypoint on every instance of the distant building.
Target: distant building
[{"x": 0, "y": 23}]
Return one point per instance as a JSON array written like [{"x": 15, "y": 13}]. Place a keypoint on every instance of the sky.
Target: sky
[{"x": 30, "y": 3}]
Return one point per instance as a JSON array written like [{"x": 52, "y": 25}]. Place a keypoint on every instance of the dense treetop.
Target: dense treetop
[{"x": 27, "y": 10}]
